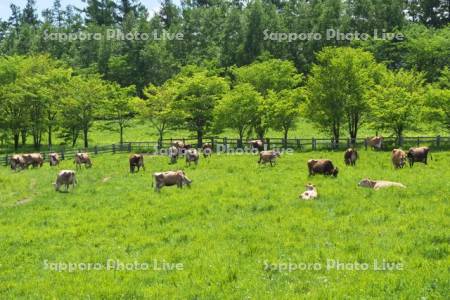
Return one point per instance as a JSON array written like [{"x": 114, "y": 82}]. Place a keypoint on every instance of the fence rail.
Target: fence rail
[{"x": 224, "y": 144}]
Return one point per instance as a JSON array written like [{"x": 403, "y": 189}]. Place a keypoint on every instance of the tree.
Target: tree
[
  {"x": 237, "y": 109},
  {"x": 396, "y": 101},
  {"x": 437, "y": 102},
  {"x": 196, "y": 97}
]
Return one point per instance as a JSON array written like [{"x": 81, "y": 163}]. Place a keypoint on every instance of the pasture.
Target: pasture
[{"x": 233, "y": 231}]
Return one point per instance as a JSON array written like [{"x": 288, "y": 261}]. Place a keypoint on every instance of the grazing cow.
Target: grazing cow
[
  {"x": 322, "y": 166},
  {"x": 53, "y": 159},
  {"x": 310, "y": 193},
  {"x": 257, "y": 144},
  {"x": 178, "y": 144},
  {"x": 268, "y": 156},
  {"x": 207, "y": 150},
  {"x": 82, "y": 158},
  {"x": 170, "y": 178},
  {"x": 379, "y": 184},
  {"x": 350, "y": 156},
  {"x": 398, "y": 157},
  {"x": 181, "y": 146},
  {"x": 419, "y": 154},
  {"x": 136, "y": 161},
  {"x": 17, "y": 162},
  {"x": 173, "y": 154},
  {"x": 66, "y": 178},
  {"x": 192, "y": 156},
  {"x": 33, "y": 159},
  {"x": 375, "y": 142}
]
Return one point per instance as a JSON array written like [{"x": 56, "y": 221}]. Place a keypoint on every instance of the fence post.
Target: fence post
[
  {"x": 225, "y": 142},
  {"x": 95, "y": 150},
  {"x": 418, "y": 141},
  {"x": 438, "y": 142},
  {"x": 313, "y": 143},
  {"x": 62, "y": 154},
  {"x": 365, "y": 144},
  {"x": 298, "y": 143},
  {"x": 268, "y": 143},
  {"x": 113, "y": 148},
  {"x": 6, "y": 159},
  {"x": 129, "y": 147},
  {"x": 212, "y": 142},
  {"x": 348, "y": 142}
]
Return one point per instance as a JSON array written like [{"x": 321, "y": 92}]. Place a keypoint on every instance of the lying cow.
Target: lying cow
[
  {"x": 173, "y": 154},
  {"x": 53, "y": 159},
  {"x": 33, "y": 159},
  {"x": 379, "y": 184},
  {"x": 136, "y": 161},
  {"x": 66, "y": 178},
  {"x": 310, "y": 193},
  {"x": 207, "y": 150},
  {"x": 192, "y": 156},
  {"x": 257, "y": 144},
  {"x": 170, "y": 178},
  {"x": 350, "y": 156},
  {"x": 17, "y": 162},
  {"x": 322, "y": 166},
  {"x": 419, "y": 154},
  {"x": 268, "y": 156},
  {"x": 398, "y": 157},
  {"x": 375, "y": 142},
  {"x": 82, "y": 158}
]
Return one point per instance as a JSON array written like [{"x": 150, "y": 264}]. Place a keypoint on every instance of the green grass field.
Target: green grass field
[{"x": 231, "y": 233}]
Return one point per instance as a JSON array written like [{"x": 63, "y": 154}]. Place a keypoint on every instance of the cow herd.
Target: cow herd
[{"x": 67, "y": 178}]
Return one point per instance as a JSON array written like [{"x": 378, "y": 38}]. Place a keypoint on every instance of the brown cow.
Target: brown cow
[
  {"x": 192, "y": 156},
  {"x": 207, "y": 150},
  {"x": 173, "y": 154},
  {"x": 268, "y": 156},
  {"x": 53, "y": 159},
  {"x": 136, "y": 160},
  {"x": 66, "y": 178},
  {"x": 17, "y": 162},
  {"x": 350, "y": 156},
  {"x": 398, "y": 157},
  {"x": 257, "y": 144},
  {"x": 33, "y": 159},
  {"x": 82, "y": 158},
  {"x": 170, "y": 178},
  {"x": 322, "y": 166},
  {"x": 375, "y": 142},
  {"x": 419, "y": 154}
]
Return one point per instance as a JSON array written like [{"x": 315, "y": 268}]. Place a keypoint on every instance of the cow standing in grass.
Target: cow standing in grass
[
  {"x": 170, "y": 178},
  {"x": 82, "y": 158},
  {"x": 257, "y": 144},
  {"x": 192, "y": 156},
  {"x": 398, "y": 157},
  {"x": 136, "y": 161},
  {"x": 268, "y": 156},
  {"x": 350, "y": 156},
  {"x": 66, "y": 178},
  {"x": 33, "y": 159},
  {"x": 173, "y": 154},
  {"x": 53, "y": 159},
  {"x": 17, "y": 162},
  {"x": 419, "y": 154},
  {"x": 375, "y": 142},
  {"x": 322, "y": 166},
  {"x": 207, "y": 150}
]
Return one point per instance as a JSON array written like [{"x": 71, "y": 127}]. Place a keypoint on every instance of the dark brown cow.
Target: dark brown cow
[
  {"x": 350, "y": 156},
  {"x": 53, "y": 159},
  {"x": 375, "y": 142},
  {"x": 398, "y": 157},
  {"x": 170, "y": 178},
  {"x": 82, "y": 158},
  {"x": 322, "y": 166},
  {"x": 136, "y": 161},
  {"x": 33, "y": 159},
  {"x": 268, "y": 156},
  {"x": 419, "y": 154},
  {"x": 17, "y": 162},
  {"x": 257, "y": 144},
  {"x": 207, "y": 150}
]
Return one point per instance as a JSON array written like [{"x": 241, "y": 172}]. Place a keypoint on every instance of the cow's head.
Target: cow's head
[{"x": 335, "y": 172}]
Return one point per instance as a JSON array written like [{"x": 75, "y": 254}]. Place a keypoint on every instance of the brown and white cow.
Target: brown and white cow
[
  {"x": 136, "y": 161},
  {"x": 33, "y": 159},
  {"x": 207, "y": 150},
  {"x": 17, "y": 162},
  {"x": 170, "y": 178},
  {"x": 192, "y": 156},
  {"x": 82, "y": 158},
  {"x": 66, "y": 178},
  {"x": 53, "y": 159},
  {"x": 398, "y": 157},
  {"x": 419, "y": 154},
  {"x": 322, "y": 166},
  {"x": 173, "y": 154},
  {"x": 310, "y": 193},
  {"x": 375, "y": 142},
  {"x": 268, "y": 156},
  {"x": 379, "y": 184},
  {"x": 350, "y": 156},
  {"x": 257, "y": 144}
]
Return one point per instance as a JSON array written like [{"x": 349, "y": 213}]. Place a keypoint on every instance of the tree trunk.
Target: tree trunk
[
  {"x": 121, "y": 134},
  {"x": 85, "y": 137},
  {"x": 286, "y": 130},
  {"x": 16, "y": 141},
  {"x": 50, "y": 142},
  {"x": 160, "y": 139},
  {"x": 199, "y": 137},
  {"x": 24, "y": 136}
]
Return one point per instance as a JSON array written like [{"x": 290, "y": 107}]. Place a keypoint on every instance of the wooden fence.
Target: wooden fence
[{"x": 224, "y": 144}]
